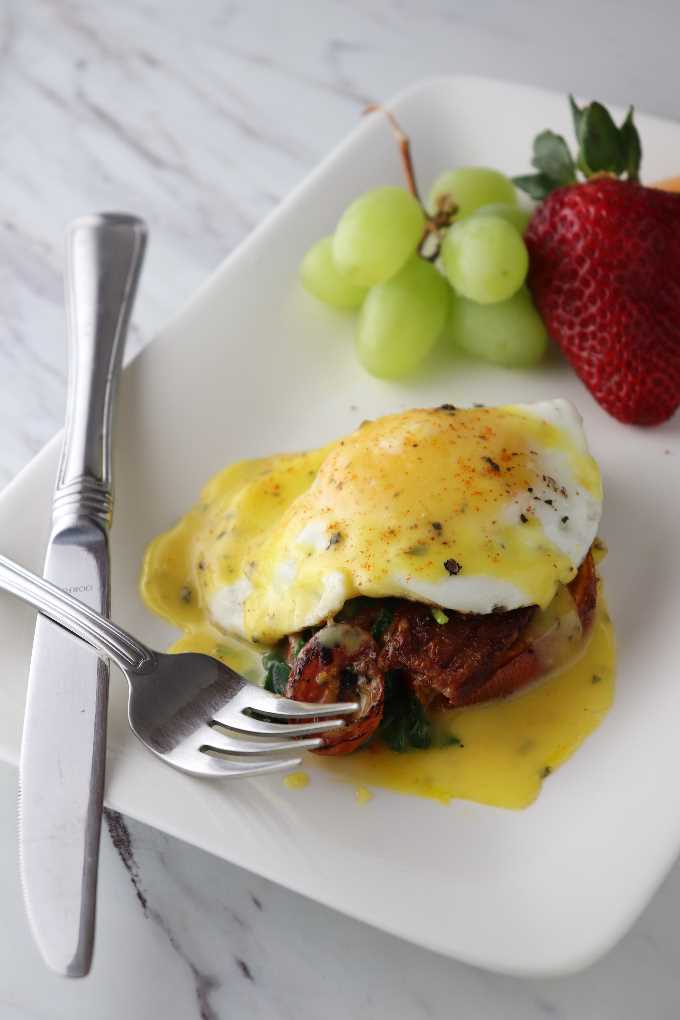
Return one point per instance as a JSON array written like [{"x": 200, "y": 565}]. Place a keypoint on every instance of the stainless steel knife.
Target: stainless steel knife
[{"x": 61, "y": 772}]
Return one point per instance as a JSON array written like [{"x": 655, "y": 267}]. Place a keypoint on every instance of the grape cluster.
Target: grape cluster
[{"x": 456, "y": 267}]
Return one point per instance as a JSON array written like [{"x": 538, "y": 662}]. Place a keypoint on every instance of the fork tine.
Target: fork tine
[
  {"x": 223, "y": 765},
  {"x": 252, "y": 726},
  {"x": 220, "y": 741},
  {"x": 262, "y": 701}
]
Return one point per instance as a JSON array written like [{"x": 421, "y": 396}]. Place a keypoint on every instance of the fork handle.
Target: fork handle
[{"x": 106, "y": 637}]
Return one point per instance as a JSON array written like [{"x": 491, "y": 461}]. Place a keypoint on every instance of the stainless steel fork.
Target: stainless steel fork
[{"x": 192, "y": 711}]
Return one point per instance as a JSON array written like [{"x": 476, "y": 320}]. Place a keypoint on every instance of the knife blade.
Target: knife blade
[{"x": 61, "y": 771}]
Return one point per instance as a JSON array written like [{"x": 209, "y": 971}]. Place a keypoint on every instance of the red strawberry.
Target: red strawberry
[{"x": 605, "y": 269}]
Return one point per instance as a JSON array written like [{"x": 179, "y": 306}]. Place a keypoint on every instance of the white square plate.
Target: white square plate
[{"x": 253, "y": 366}]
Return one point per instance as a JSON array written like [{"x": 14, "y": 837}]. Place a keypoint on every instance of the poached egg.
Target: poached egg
[{"x": 476, "y": 509}]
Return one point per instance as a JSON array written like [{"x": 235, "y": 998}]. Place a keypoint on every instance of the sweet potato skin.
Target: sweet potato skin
[{"x": 584, "y": 591}]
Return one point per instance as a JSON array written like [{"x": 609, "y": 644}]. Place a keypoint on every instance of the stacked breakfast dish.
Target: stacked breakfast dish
[{"x": 432, "y": 560}]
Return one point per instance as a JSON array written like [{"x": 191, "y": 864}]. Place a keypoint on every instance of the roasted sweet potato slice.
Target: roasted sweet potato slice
[
  {"x": 444, "y": 660},
  {"x": 340, "y": 663},
  {"x": 520, "y": 664},
  {"x": 472, "y": 657}
]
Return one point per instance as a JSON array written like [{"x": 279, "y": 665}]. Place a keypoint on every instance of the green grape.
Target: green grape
[
  {"x": 319, "y": 275},
  {"x": 377, "y": 234},
  {"x": 470, "y": 187},
  {"x": 511, "y": 213},
  {"x": 400, "y": 320},
  {"x": 485, "y": 258},
  {"x": 509, "y": 332}
]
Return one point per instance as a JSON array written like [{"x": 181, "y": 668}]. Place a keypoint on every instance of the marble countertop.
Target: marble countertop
[{"x": 201, "y": 117}]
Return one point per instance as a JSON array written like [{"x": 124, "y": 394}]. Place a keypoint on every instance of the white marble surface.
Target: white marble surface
[{"x": 201, "y": 117}]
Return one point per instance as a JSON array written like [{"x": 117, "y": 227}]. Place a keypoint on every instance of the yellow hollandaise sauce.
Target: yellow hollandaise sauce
[{"x": 406, "y": 506}]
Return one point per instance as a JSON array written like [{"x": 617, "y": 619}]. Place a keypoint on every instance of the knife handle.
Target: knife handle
[{"x": 104, "y": 255}]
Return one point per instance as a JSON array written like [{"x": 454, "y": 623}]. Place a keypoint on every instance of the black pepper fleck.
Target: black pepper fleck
[
  {"x": 452, "y": 566},
  {"x": 523, "y": 518},
  {"x": 492, "y": 464}
]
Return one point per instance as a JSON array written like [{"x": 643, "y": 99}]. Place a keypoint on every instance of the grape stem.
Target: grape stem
[
  {"x": 404, "y": 143},
  {"x": 435, "y": 225}
]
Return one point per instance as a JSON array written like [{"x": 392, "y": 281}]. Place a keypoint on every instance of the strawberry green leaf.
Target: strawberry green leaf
[
  {"x": 602, "y": 148},
  {"x": 600, "y": 141},
  {"x": 535, "y": 185},
  {"x": 576, "y": 114},
  {"x": 552, "y": 158},
  {"x": 631, "y": 147}
]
